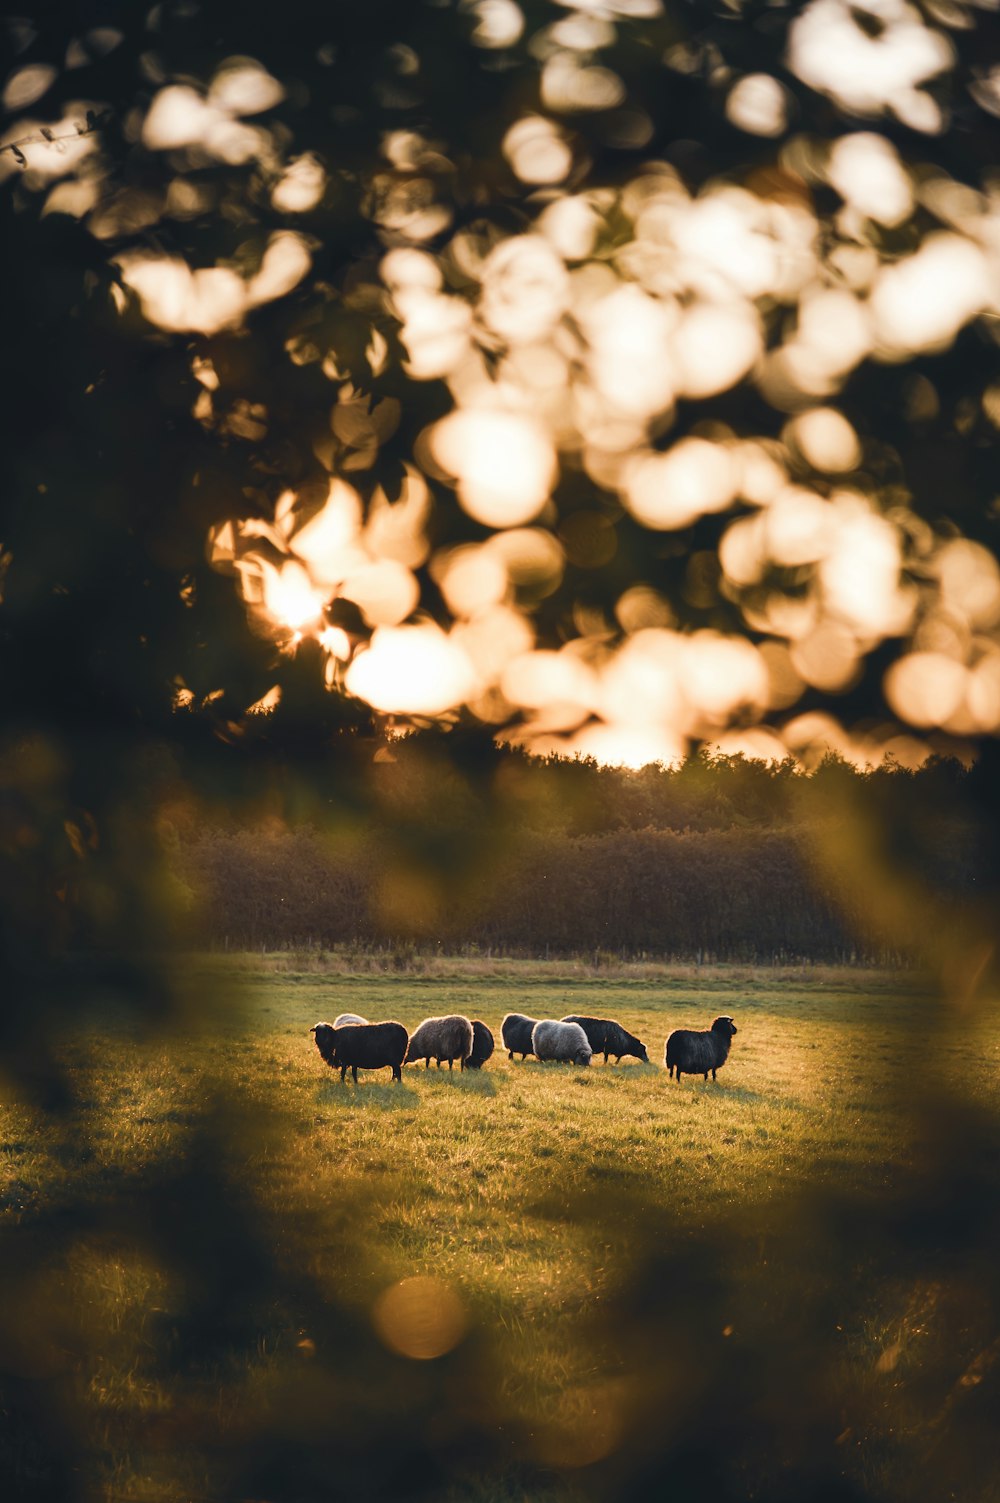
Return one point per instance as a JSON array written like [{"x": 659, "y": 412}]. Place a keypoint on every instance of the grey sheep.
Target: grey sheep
[
  {"x": 515, "y": 1030},
  {"x": 447, "y": 1038},
  {"x": 691, "y": 1053},
  {"x": 348, "y": 1017},
  {"x": 565, "y": 1042},
  {"x": 362, "y": 1046},
  {"x": 605, "y": 1036},
  {"x": 482, "y": 1046}
]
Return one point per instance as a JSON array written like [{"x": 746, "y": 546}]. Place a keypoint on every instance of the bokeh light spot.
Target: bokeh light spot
[
  {"x": 503, "y": 464},
  {"x": 420, "y": 1317}
]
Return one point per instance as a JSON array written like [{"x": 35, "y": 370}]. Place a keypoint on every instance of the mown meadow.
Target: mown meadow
[{"x": 607, "y": 1245}]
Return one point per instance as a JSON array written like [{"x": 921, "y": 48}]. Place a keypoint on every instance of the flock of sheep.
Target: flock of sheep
[{"x": 352, "y": 1043}]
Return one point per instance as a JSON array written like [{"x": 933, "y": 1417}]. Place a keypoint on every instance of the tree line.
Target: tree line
[{"x": 721, "y": 858}]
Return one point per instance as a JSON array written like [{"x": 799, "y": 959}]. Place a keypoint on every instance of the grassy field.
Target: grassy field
[{"x": 531, "y": 1192}]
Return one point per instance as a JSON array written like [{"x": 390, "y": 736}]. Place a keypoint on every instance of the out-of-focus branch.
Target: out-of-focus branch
[{"x": 47, "y": 137}]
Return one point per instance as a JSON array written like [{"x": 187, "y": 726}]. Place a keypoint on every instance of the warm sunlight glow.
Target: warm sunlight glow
[
  {"x": 826, "y": 440},
  {"x": 671, "y": 490},
  {"x": 385, "y": 591},
  {"x": 921, "y": 302},
  {"x": 860, "y": 573},
  {"x": 623, "y": 745},
  {"x": 797, "y": 526},
  {"x": 925, "y": 688},
  {"x": 970, "y": 582},
  {"x": 537, "y": 150},
  {"x": 471, "y": 579},
  {"x": 329, "y": 542},
  {"x": 499, "y": 23},
  {"x": 503, "y": 464},
  {"x": 719, "y": 674},
  {"x": 871, "y": 67},
  {"x": 758, "y": 104},
  {"x": 715, "y": 346},
  {"x": 541, "y": 680},
  {"x": 290, "y": 597},
  {"x": 412, "y": 670},
  {"x": 300, "y": 187},
  {"x": 243, "y": 87},
  {"x": 213, "y": 298},
  {"x": 866, "y": 171},
  {"x": 525, "y": 289},
  {"x": 627, "y": 335}
]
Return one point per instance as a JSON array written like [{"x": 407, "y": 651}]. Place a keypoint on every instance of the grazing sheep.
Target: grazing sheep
[
  {"x": 607, "y": 1036},
  {"x": 363, "y": 1046},
  {"x": 482, "y": 1046},
  {"x": 447, "y": 1038},
  {"x": 565, "y": 1042},
  {"x": 692, "y": 1053},
  {"x": 515, "y": 1030},
  {"x": 348, "y": 1017}
]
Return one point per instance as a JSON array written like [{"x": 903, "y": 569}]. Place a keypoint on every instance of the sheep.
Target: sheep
[
  {"x": 363, "y": 1046},
  {"x": 482, "y": 1046},
  {"x": 604, "y": 1034},
  {"x": 447, "y": 1038},
  {"x": 324, "y": 1035},
  {"x": 515, "y": 1030},
  {"x": 692, "y": 1053},
  {"x": 565, "y": 1042}
]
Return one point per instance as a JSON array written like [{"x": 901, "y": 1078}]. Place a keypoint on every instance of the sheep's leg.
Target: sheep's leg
[
  {"x": 714, "y": 1076},
  {"x": 451, "y": 1063},
  {"x": 343, "y": 1074},
  {"x": 354, "y": 1072},
  {"x": 605, "y": 1056},
  {"x": 427, "y": 1063},
  {"x": 397, "y": 1073}
]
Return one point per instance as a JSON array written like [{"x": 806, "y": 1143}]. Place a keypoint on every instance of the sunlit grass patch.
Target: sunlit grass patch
[{"x": 527, "y": 1189}]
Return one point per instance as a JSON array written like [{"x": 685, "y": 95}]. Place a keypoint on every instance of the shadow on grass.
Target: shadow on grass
[
  {"x": 386, "y": 1095},
  {"x": 476, "y": 1082},
  {"x": 744, "y": 1094}
]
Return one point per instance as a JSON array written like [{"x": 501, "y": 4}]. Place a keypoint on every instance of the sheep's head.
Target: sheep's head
[
  {"x": 326, "y": 1041},
  {"x": 725, "y": 1026},
  {"x": 640, "y": 1052},
  {"x": 582, "y": 1057}
]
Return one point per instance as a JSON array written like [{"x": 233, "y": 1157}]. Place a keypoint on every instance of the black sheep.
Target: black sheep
[
  {"x": 692, "y": 1053},
  {"x": 363, "y": 1046},
  {"x": 482, "y": 1046},
  {"x": 515, "y": 1030},
  {"x": 605, "y": 1036}
]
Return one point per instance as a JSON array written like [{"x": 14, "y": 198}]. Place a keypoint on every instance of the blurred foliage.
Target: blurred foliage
[{"x": 146, "y": 409}]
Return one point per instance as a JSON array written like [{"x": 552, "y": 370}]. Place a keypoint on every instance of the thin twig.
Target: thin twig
[{"x": 47, "y": 137}]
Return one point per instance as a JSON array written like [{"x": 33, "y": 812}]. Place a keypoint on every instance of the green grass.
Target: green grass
[{"x": 501, "y": 1183}]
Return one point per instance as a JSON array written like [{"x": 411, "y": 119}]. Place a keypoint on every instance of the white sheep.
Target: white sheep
[{"x": 565, "y": 1042}]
